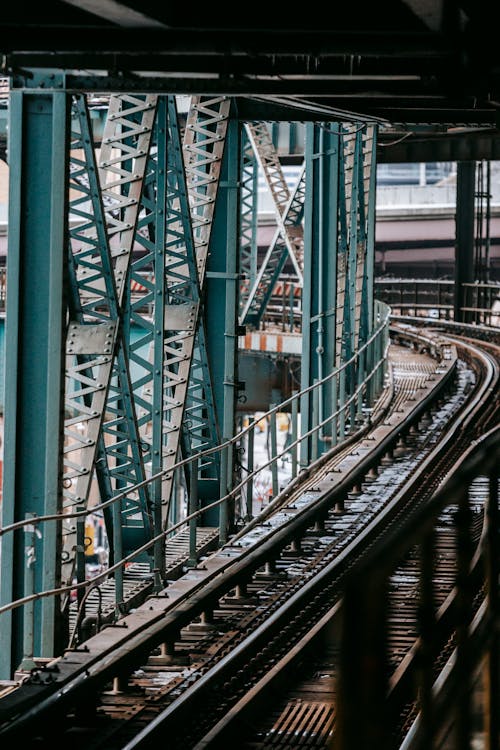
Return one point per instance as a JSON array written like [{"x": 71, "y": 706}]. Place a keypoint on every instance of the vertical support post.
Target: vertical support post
[
  {"x": 487, "y": 239},
  {"x": 29, "y": 589},
  {"x": 223, "y": 512},
  {"x": 250, "y": 466},
  {"x": 379, "y": 372},
  {"x": 335, "y": 420},
  {"x": 118, "y": 555},
  {"x": 369, "y": 268},
  {"x": 361, "y": 371},
  {"x": 292, "y": 137},
  {"x": 38, "y": 133},
  {"x": 363, "y": 666},
  {"x": 162, "y": 206},
  {"x": 370, "y": 234},
  {"x": 320, "y": 272},
  {"x": 370, "y": 358},
  {"x": 464, "y": 242},
  {"x": 221, "y": 308},
  {"x": 295, "y": 433},
  {"x": 193, "y": 507},
  {"x": 80, "y": 557},
  {"x": 274, "y": 452},
  {"x": 342, "y": 401},
  {"x": 315, "y": 422}
]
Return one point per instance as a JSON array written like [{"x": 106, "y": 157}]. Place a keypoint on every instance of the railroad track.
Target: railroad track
[
  {"x": 216, "y": 650},
  {"x": 299, "y": 708},
  {"x": 304, "y": 714}
]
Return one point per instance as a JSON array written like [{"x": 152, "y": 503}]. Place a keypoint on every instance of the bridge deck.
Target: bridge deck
[{"x": 414, "y": 375}]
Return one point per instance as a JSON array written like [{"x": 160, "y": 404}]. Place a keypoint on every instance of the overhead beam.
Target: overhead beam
[
  {"x": 116, "y": 12},
  {"x": 316, "y": 44},
  {"x": 430, "y": 12},
  {"x": 473, "y": 145},
  {"x": 273, "y": 99},
  {"x": 349, "y": 66}
]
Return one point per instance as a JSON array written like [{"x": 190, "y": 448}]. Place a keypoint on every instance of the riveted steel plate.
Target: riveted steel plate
[
  {"x": 180, "y": 317},
  {"x": 90, "y": 339}
]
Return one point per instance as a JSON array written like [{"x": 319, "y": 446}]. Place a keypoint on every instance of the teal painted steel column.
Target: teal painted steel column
[
  {"x": 365, "y": 164},
  {"x": 370, "y": 262},
  {"x": 320, "y": 275},
  {"x": 38, "y": 133},
  {"x": 203, "y": 150},
  {"x": 221, "y": 307},
  {"x": 370, "y": 230},
  {"x": 464, "y": 244},
  {"x": 351, "y": 315}
]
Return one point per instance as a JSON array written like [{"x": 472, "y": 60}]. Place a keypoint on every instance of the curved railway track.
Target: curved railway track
[{"x": 283, "y": 574}]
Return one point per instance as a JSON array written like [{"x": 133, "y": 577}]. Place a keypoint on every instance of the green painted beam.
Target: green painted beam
[
  {"x": 38, "y": 133},
  {"x": 221, "y": 306},
  {"x": 319, "y": 297}
]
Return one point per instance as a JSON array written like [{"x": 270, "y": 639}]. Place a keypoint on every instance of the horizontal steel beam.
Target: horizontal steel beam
[
  {"x": 265, "y": 64},
  {"x": 475, "y": 144},
  {"x": 84, "y": 38}
]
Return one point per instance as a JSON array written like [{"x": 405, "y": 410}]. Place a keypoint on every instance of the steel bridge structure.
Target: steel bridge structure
[
  {"x": 134, "y": 275},
  {"x": 164, "y": 209}
]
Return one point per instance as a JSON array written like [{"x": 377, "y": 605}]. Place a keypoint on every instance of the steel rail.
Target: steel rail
[
  {"x": 226, "y": 730},
  {"x": 320, "y": 586}
]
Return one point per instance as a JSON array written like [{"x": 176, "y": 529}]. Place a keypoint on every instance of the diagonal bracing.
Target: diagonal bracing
[
  {"x": 187, "y": 384},
  {"x": 276, "y": 257},
  {"x": 100, "y": 425},
  {"x": 248, "y": 219},
  {"x": 288, "y": 240}
]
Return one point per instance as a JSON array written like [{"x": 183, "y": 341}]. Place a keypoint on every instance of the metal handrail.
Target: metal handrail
[{"x": 436, "y": 298}]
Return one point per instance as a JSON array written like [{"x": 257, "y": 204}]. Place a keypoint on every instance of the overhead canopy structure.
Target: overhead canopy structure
[{"x": 424, "y": 67}]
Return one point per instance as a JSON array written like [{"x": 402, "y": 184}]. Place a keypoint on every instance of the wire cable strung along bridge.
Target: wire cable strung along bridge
[{"x": 244, "y": 502}]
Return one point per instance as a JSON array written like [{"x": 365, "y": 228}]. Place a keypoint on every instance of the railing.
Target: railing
[
  {"x": 284, "y": 309},
  {"x": 3, "y": 287},
  {"x": 448, "y": 715},
  {"x": 352, "y": 389},
  {"x": 435, "y": 298},
  {"x": 428, "y": 298}
]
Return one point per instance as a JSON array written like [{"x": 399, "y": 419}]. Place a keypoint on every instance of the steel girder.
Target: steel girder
[
  {"x": 38, "y": 133},
  {"x": 355, "y": 174},
  {"x": 319, "y": 294},
  {"x": 137, "y": 374},
  {"x": 142, "y": 420},
  {"x": 221, "y": 316},
  {"x": 138, "y": 366},
  {"x": 203, "y": 147},
  {"x": 338, "y": 267},
  {"x": 248, "y": 219},
  {"x": 353, "y": 314},
  {"x": 464, "y": 247},
  {"x": 177, "y": 410},
  {"x": 101, "y": 430},
  {"x": 288, "y": 240}
]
